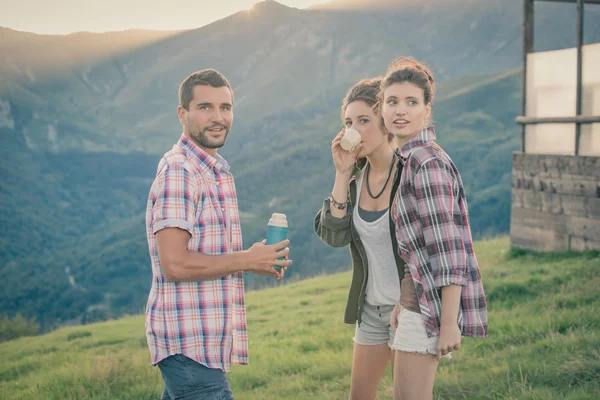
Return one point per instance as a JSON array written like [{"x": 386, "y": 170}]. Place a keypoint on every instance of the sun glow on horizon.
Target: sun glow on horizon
[{"x": 70, "y": 16}]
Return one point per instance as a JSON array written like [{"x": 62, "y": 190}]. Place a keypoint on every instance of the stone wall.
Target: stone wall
[{"x": 555, "y": 202}]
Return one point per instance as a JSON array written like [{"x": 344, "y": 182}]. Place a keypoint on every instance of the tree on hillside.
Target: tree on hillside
[{"x": 16, "y": 327}]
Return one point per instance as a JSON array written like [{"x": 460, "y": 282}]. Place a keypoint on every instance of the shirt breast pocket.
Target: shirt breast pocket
[
  {"x": 208, "y": 226},
  {"x": 234, "y": 225}
]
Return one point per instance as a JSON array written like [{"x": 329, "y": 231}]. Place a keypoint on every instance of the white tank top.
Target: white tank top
[{"x": 383, "y": 283}]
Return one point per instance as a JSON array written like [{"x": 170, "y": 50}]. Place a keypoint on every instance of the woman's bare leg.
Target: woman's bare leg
[
  {"x": 414, "y": 375},
  {"x": 368, "y": 365}
]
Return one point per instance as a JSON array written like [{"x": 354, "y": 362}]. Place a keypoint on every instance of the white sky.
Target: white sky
[{"x": 67, "y": 16}]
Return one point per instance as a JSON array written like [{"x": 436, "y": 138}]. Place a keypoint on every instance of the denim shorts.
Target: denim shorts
[
  {"x": 186, "y": 379},
  {"x": 375, "y": 326},
  {"x": 411, "y": 336}
]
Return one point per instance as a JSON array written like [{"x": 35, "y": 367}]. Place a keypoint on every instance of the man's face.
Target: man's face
[{"x": 209, "y": 118}]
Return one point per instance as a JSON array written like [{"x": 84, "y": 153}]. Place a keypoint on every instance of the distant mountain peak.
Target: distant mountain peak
[
  {"x": 271, "y": 10},
  {"x": 268, "y": 6}
]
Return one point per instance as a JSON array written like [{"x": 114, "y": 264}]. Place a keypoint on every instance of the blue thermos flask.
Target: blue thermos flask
[{"x": 277, "y": 230}]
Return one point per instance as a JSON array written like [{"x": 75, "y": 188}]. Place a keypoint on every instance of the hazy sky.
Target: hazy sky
[{"x": 66, "y": 16}]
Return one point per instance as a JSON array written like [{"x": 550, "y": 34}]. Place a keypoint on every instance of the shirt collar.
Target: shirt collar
[
  {"x": 190, "y": 147},
  {"x": 424, "y": 137}
]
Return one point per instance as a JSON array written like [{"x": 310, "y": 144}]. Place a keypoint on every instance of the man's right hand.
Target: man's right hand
[{"x": 260, "y": 258}]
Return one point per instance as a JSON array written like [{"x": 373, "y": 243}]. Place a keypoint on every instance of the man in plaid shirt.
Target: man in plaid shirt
[{"x": 195, "y": 315}]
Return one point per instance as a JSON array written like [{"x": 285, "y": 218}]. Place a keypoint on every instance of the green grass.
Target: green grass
[{"x": 544, "y": 342}]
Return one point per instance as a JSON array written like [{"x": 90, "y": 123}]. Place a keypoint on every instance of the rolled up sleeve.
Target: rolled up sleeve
[
  {"x": 334, "y": 231},
  {"x": 174, "y": 199}
]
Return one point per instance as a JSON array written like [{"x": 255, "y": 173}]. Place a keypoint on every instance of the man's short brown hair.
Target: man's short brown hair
[{"x": 208, "y": 77}]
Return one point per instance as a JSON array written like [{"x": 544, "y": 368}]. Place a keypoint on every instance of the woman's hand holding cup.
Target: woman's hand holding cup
[{"x": 343, "y": 160}]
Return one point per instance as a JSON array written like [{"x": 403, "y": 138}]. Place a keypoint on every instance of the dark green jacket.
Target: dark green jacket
[{"x": 339, "y": 232}]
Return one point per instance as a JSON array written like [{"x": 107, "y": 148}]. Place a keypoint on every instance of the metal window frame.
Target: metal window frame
[{"x": 528, "y": 40}]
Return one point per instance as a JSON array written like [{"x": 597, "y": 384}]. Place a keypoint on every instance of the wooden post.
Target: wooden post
[
  {"x": 580, "y": 14},
  {"x": 527, "y": 48}
]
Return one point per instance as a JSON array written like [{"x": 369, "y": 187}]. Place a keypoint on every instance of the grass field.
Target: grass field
[{"x": 544, "y": 342}]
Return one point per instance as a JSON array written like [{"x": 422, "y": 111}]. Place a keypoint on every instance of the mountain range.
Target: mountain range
[{"x": 84, "y": 119}]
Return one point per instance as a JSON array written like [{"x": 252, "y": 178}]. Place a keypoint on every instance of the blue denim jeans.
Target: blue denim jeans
[{"x": 185, "y": 379}]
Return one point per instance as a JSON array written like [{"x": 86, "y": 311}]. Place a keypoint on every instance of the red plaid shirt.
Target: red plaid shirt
[
  {"x": 434, "y": 237},
  {"x": 205, "y": 321}
]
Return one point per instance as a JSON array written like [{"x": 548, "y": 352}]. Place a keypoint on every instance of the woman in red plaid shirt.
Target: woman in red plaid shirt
[{"x": 442, "y": 296}]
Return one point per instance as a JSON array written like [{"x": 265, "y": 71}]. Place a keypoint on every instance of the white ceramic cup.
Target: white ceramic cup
[{"x": 350, "y": 140}]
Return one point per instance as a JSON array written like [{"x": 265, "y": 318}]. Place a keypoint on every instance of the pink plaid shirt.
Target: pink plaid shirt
[
  {"x": 205, "y": 321},
  {"x": 434, "y": 236}
]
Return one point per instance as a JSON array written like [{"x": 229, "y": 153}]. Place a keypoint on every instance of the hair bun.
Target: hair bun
[{"x": 409, "y": 62}]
